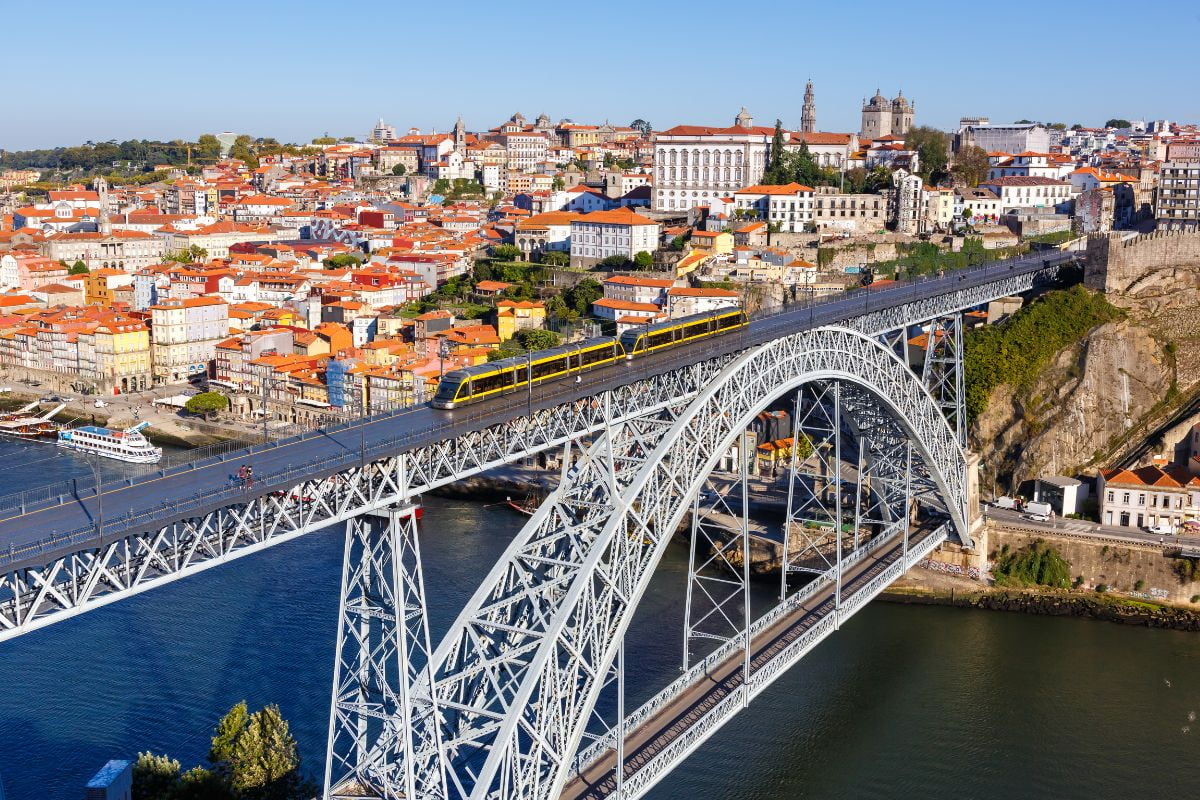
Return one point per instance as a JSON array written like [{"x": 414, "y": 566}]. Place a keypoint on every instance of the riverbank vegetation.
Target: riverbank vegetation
[
  {"x": 1017, "y": 350},
  {"x": 1036, "y": 564},
  {"x": 252, "y": 757}
]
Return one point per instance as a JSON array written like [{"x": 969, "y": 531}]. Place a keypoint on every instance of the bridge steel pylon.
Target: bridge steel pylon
[
  {"x": 517, "y": 677},
  {"x": 381, "y": 706}
]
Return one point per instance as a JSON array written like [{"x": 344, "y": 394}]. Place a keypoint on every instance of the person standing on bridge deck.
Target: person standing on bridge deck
[{"x": 249, "y": 477}]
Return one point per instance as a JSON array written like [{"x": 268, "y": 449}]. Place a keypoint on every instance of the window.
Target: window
[
  {"x": 1110, "y": 495},
  {"x": 1125, "y": 498},
  {"x": 1141, "y": 499}
]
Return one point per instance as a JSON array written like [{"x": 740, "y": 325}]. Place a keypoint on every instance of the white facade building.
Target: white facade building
[
  {"x": 619, "y": 232},
  {"x": 695, "y": 164},
  {"x": 789, "y": 206}
]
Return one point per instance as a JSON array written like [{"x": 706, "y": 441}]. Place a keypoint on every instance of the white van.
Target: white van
[
  {"x": 1162, "y": 528},
  {"x": 1038, "y": 512}
]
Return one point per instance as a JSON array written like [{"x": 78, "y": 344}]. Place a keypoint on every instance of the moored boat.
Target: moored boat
[
  {"x": 127, "y": 445},
  {"x": 25, "y": 427}
]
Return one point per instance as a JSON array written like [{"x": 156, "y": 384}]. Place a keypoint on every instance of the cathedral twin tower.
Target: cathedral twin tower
[{"x": 880, "y": 116}]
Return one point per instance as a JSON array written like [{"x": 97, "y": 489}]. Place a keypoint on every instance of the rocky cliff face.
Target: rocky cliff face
[
  {"x": 1103, "y": 390},
  {"x": 1084, "y": 403}
]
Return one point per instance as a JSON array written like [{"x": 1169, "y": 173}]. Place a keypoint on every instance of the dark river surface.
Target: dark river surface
[{"x": 904, "y": 701}]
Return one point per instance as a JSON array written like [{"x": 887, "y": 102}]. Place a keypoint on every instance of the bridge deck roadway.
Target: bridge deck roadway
[
  {"x": 36, "y": 530},
  {"x": 642, "y": 744}
]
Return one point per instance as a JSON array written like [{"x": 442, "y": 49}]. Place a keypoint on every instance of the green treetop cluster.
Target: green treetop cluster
[{"x": 252, "y": 757}]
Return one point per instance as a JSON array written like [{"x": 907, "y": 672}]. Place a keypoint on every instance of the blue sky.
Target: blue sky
[{"x": 295, "y": 70}]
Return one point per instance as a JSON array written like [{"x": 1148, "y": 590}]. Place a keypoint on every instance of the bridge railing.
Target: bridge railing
[{"x": 726, "y": 651}]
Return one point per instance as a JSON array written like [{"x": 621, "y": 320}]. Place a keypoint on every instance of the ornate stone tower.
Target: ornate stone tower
[
  {"x": 808, "y": 117},
  {"x": 902, "y": 115},
  {"x": 460, "y": 134},
  {"x": 743, "y": 119},
  {"x": 876, "y": 117}
]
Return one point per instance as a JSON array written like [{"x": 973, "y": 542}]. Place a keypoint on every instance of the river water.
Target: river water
[{"x": 904, "y": 701}]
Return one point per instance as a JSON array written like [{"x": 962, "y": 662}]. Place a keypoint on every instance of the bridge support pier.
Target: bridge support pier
[{"x": 381, "y": 700}]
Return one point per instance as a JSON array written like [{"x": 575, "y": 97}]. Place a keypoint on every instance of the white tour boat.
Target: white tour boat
[{"x": 126, "y": 445}]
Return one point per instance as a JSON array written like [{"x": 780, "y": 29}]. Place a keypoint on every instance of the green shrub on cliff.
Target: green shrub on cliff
[
  {"x": 1036, "y": 564},
  {"x": 1018, "y": 349}
]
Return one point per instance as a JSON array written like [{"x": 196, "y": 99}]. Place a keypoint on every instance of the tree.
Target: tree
[
  {"x": 971, "y": 165},
  {"x": 581, "y": 296},
  {"x": 642, "y": 125},
  {"x": 555, "y": 258},
  {"x": 643, "y": 260},
  {"x": 199, "y": 783},
  {"x": 324, "y": 140},
  {"x": 677, "y": 244},
  {"x": 228, "y": 730},
  {"x": 242, "y": 150},
  {"x": 775, "y": 174},
  {"x": 78, "y": 268},
  {"x": 538, "y": 339},
  {"x": 1118, "y": 123},
  {"x": 154, "y": 777},
  {"x": 190, "y": 255},
  {"x": 932, "y": 148},
  {"x": 348, "y": 139},
  {"x": 1023, "y": 122},
  {"x": 556, "y": 306},
  {"x": 208, "y": 147},
  {"x": 506, "y": 252},
  {"x": 558, "y": 184},
  {"x": 804, "y": 168},
  {"x": 614, "y": 262},
  {"x": 341, "y": 260},
  {"x": 399, "y": 170},
  {"x": 207, "y": 404},
  {"x": 265, "y": 764}
]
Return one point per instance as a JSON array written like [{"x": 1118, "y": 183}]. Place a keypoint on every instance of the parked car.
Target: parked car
[
  {"x": 100, "y": 404},
  {"x": 1162, "y": 529},
  {"x": 1039, "y": 512}
]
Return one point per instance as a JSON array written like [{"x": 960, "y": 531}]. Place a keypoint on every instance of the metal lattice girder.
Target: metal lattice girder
[
  {"x": 32, "y": 596},
  {"x": 942, "y": 370},
  {"x": 381, "y": 708},
  {"x": 520, "y": 671},
  {"x": 717, "y": 600}
]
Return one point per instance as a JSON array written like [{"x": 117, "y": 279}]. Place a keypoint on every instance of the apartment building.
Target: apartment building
[
  {"x": 1177, "y": 206},
  {"x": 186, "y": 333}
]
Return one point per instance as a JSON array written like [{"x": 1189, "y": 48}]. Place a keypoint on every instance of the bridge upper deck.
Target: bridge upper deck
[{"x": 32, "y": 531}]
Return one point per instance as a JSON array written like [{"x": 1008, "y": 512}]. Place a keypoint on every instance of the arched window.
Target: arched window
[
  {"x": 683, "y": 157},
  {"x": 695, "y": 173},
  {"x": 706, "y": 157}
]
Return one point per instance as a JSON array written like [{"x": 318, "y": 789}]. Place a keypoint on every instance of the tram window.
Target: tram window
[
  {"x": 659, "y": 338},
  {"x": 730, "y": 321},
  {"x": 448, "y": 390},
  {"x": 487, "y": 383},
  {"x": 597, "y": 354},
  {"x": 549, "y": 367}
]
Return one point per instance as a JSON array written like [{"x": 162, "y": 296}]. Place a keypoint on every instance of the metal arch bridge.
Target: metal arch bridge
[{"x": 502, "y": 706}]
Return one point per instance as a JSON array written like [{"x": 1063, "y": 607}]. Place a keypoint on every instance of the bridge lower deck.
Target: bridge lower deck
[{"x": 644, "y": 743}]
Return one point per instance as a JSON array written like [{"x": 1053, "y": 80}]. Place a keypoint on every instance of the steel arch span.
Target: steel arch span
[{"x": 516, "y": 678}]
